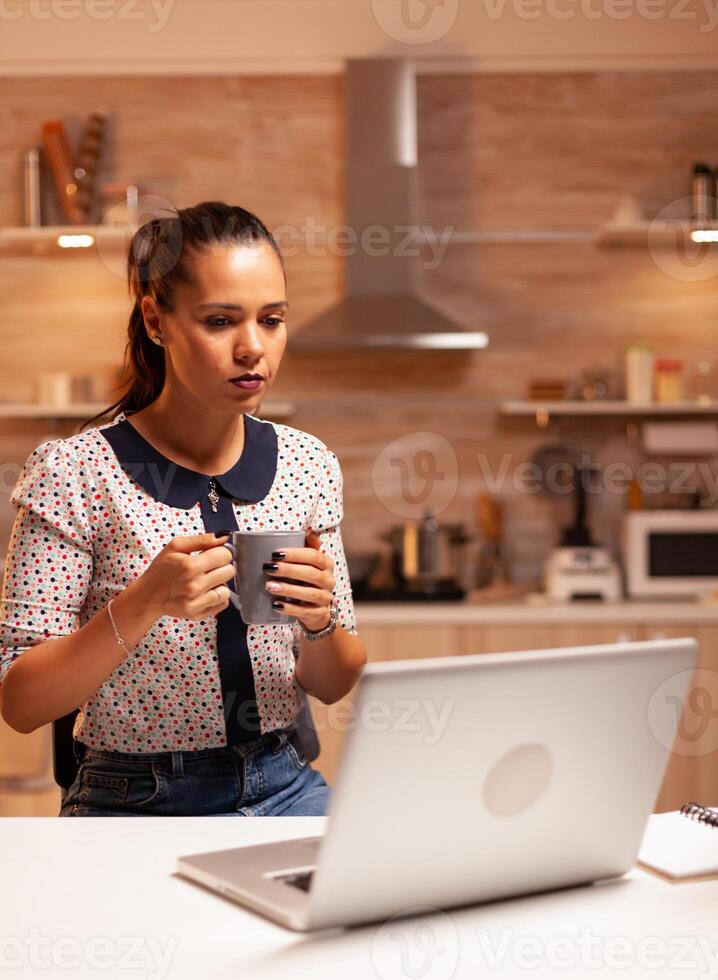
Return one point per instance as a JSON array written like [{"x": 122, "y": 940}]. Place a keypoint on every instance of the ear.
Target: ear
[{"x": 151, "y": 314}]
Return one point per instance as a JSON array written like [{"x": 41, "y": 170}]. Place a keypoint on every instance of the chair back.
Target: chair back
[{"x": 64, "y": 763}]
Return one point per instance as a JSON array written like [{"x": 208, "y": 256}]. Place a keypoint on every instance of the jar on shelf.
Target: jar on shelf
[
  {"x": 669, "y": 380},
  {"x": 639, "y": 369},
  {"x": 53, "y": 388}
]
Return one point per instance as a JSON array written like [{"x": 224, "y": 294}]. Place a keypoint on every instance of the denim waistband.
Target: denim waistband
[{"x": 272, "y": 740}]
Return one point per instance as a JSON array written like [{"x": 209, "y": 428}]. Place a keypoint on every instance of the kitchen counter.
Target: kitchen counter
[
  {"x": 533, "y": 609},
  {"x": 70, "y": 883},
  {"x": 528, "y": 610}
]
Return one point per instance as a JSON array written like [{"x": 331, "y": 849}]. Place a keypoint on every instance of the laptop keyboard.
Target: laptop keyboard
[{"x": 302, "y": 880}]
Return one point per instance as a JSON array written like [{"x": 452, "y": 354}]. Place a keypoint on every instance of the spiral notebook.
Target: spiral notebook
[{"x": 682, "y": 845}]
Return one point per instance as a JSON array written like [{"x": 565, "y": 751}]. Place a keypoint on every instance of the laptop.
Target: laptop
[{"x": 471, "y": 778}]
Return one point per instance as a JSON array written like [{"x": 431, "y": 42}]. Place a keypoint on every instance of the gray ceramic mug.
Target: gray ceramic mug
[{"x": 249, "y": 550}]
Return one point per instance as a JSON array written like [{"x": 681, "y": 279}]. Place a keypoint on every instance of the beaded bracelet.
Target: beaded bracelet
[{"x": 117, "y": 635}]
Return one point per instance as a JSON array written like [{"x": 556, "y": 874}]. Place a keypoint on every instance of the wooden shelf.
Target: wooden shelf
[
  {"x": 647, "y": 234},
  {"x": 44, "y": 240},
  {"x": 639, "y": 234},
  {"x": 272, "y": 411},
  {"x": 615, "y": 408},
  {"x": 20, "y": 240}
]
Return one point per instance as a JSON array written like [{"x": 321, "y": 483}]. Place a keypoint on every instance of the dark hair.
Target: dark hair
[{"x": 160, "y": 255}]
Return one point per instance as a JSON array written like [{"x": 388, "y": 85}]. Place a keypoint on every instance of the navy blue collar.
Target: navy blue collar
[{"x": 250, "y": 478}]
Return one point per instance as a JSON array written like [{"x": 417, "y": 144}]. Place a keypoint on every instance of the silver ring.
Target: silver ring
[{"x": 219, "y": 597}]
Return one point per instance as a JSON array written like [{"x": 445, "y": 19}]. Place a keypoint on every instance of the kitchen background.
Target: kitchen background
[
  {"x": 529, "y": 162},
  {"x": 554, "y": 153}
]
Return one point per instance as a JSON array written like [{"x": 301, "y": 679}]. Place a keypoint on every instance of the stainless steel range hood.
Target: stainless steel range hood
[{"x": 381, "y": 307}]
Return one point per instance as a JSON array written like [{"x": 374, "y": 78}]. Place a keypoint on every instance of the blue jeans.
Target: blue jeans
[{"x": 269, "y": 776}]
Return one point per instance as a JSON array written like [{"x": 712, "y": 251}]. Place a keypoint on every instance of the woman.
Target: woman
[{"x": 184, "y": 709}]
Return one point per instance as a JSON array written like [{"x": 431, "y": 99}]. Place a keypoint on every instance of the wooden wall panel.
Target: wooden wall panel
[
  {"x": 558, "y": 150},
  {"x": 544, "y": 150}
]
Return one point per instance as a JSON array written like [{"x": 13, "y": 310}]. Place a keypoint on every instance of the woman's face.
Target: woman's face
[{"x": 228, "y": 322}]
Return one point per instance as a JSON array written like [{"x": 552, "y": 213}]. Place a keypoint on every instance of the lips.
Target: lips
[
  {"x": 249, "y": 383},
  {"x": 248, "y": 377}
]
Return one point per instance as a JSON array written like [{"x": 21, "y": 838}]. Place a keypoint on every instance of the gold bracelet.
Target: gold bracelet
[{"x": 117, "y": 635}]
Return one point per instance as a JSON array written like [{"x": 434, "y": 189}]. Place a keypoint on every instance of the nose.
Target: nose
[{"x": 248, "y": 341}]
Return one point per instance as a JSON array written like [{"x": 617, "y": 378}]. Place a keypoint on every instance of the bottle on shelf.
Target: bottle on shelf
[
  {"x": 669, "y": 380},
  {"x": 639, "y": 373},
  {"x": 32, "y": 217}
]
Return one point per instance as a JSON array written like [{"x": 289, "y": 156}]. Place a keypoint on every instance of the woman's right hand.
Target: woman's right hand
[{"x": 179, "y": 583}]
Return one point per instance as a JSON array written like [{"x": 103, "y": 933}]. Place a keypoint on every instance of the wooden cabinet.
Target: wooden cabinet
[
  {"x": 504, "y": 638},
  {"x": 692, "y": 771},
  {"x": 27, "y": 759}
]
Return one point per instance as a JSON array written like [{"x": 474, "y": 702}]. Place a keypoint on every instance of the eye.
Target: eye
[{"x": 270, "y": 321}]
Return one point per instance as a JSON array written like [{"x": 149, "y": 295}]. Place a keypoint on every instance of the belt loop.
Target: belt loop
[
  {"x": 177, "y": 764},
  {"x": 78, "y": 750}
]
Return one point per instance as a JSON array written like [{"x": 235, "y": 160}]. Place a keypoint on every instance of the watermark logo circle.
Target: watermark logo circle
[
  {"x": 115, "y": 223},
  {"x": 692, "y": 719},
  {"x": 403, "y": 947},
  {"x": 416, "y": 473},
  {"x": 415, "y": 21},
  {"x": 672, "y": 249}
]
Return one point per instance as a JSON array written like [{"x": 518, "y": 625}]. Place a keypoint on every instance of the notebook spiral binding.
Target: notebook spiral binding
[{"x": 702, "y": 814}]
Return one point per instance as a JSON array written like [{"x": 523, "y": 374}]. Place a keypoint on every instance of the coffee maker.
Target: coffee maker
[{"x": 578, "y": 568}]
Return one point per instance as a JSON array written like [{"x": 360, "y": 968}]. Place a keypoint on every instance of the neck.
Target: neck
[{"x": 190, "y": 435}]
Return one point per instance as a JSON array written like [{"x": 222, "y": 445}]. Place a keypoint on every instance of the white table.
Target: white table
[{"x": 103, "y": 890}]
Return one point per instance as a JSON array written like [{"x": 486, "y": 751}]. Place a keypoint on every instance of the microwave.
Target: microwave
[{"x": 670, "y": 552}]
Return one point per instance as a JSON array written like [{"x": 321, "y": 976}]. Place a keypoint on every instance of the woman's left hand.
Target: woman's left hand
[{"x": 303, "y": 582}]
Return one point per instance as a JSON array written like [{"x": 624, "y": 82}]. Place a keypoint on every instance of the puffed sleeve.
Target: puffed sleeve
[
  {"x": 326, "y": 519},
  {"x": 48, "y": 568}
]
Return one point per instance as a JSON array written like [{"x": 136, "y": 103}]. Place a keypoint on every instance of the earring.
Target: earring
[{"x": 157, "y": 340}]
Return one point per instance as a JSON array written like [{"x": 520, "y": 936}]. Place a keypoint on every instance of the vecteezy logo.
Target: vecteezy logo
[
  {"x": 687, "y": 725},
  {"x": 673, "y": 249},
  {"x": 416, "y": 949},
  {"x": 425, "y": 15},
  {"x": 415, "y": 21},
  {"x": 116, "y": 224},
  {"x": 416, "y": 473}
]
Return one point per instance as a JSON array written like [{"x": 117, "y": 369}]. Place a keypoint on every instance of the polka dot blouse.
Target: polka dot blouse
[{"x": 94, "y": 509}]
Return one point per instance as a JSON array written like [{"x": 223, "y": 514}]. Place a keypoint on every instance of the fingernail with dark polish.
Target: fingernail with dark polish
[
  {"x": 270, "y": 566},
  {"x": 279, "y": 554},
  {"x": 221, "y": 534},
  {"x": 276, "y": 604}
]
